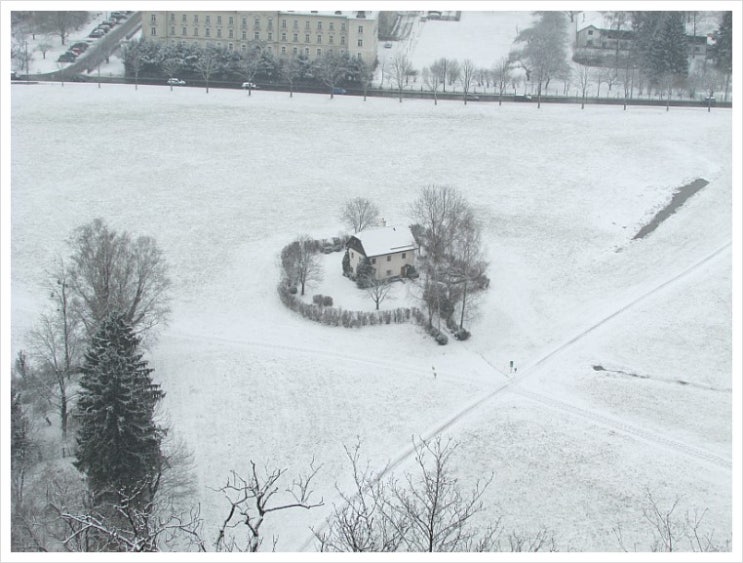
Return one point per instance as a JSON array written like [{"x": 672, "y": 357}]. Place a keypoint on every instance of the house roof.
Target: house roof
[{"x": 386, "y": 240}]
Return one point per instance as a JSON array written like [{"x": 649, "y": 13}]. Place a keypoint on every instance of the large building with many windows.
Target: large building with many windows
[{"x": 310, "y": 33}]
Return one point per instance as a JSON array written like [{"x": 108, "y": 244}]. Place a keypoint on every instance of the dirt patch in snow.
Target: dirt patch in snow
[{"x": 679, "y": 198}]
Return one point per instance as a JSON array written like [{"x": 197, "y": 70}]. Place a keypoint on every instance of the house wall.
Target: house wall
[
  {"x": 382, "y": 265},
  {"x": 284, "y": 33}
]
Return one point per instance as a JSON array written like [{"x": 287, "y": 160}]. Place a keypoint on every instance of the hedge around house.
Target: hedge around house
[{"x": 322, "y": 311}]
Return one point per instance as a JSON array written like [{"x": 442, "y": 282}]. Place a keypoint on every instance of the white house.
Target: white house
[{"x": 389, "y": 249}]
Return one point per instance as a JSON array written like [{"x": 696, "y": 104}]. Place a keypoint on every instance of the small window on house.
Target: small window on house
[
  {"x": 319, "y": 26},
  {"x": 153, "y": 18},
  {"x": 219, "y": 20},
  {"x": 331, "y": 39},
  {"x": 283, "y": 50},
  {"x": 257, "y": 35},
  {"x": 361, "y": 42},
  {"x": 231, "y": 34},
  {"x": 183, "y": 18},
  {"x": 361, "y": 29},
  {"x": 219, "y": 32},
  {"x": 350, "y": 253},
  {"x": 208, "y": 32},
  {"x": 296, "y": 37},
  {"x": 307, "y": 38},
  {"x": 270, "y": 36},
  {"x": 283, "y": 24},
  {"x": 154, "y": 31},
  {"x": 245, "y": 22},
  {"x": 403, "y": 255},
  {"x": 196, "y": 18},
  {"x": 294, "y": 50},
  {"x": 389, "y": 258},
  {"x": 307, "y": 25},
  {"x": 374, "y": 260},
  {"x": 590, "y": 32},
  {"x": 172, "y": 30},
  {"x": 208, "y": 20},
  {"x": 231, "y": 20},
  {"x": 172, "y": 18},
  {"x": 283, "y": 36},
  {"x": 319, "y": 38},
  {"x": 185, "y": 32},
  {"x": 244, "y": 35},
  {"x": 331, "y": 26},
  {"x": 230, "y": 46},
  {"x": 319, "y": 52},
  {"x": 389, "y": 272}
]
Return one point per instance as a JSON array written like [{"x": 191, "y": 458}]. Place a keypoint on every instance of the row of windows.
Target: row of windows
[
  {"x": 257, "y": 22},
  {"x": 374, "y": 260},
  {"x": 257, "y": 36},
  {"x": 283, "y": 51}
]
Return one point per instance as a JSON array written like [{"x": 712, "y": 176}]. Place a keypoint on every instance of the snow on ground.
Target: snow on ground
[{"x": 223, "y": 181}]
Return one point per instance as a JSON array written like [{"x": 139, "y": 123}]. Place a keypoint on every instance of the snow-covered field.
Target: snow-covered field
[{"x": 223, "y": 181}]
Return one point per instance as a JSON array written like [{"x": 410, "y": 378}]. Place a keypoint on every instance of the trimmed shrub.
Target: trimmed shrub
[
  {"x": 317, "y": 299},
  {"x": 442, "y": 339},
  {"x": 327, "y": 301},
  {"x": 462, "y": 334}
]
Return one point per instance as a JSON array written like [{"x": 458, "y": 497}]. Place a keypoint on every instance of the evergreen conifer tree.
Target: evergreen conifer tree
[{"x": 118, "y": 440}]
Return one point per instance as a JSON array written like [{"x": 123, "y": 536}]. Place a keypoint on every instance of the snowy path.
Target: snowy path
[{"x": 513, "y": 385}]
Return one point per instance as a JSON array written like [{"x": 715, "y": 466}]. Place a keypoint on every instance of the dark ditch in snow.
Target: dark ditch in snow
[
  {"x": 679, "y": 198},
  {"x": 599, "y": 367}
]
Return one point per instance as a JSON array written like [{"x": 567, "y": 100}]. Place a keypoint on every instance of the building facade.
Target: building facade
[
  {"x": 285, "y": 34},
  {"x": 389, "y": 249}
]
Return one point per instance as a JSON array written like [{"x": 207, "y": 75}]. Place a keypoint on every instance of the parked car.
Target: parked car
[
  {"x": 176, "y": 82},
  {"x": 67, "y": 57},
  {"x": 111, "y": 23},
  {"x": 339, "y": 90},
  {"x": 250, "y": 85},
  {"x": 526, "y": 98},
  {"x": 97, "y": 33},
  {"x": 105, "y": 28},
  {"x": 82, "y": 45},
  {"x": 79, "y": 78},
  {"x": 388, "y": 45}
]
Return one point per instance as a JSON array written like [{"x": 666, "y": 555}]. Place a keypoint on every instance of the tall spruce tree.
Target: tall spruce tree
[
  {"x": 118, "y": 440},
  {"x": 661, "y": 44},
  {"x": 722, "y": 52}
]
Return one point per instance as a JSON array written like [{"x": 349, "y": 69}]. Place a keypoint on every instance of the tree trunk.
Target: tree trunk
[{"x": 464, "y": 303}]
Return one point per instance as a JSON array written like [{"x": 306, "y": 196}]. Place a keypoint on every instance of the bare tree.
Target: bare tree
[
  {"x": 43, "y": 47},
  {"x": 425, "y": 510},
  {"x": 432, "y": 81},
  {"x": 467, "y": 265},
  {"x": 502, "y": 76},
  {"x": 363, "y": 521},
  {"x": 584, "y": 80},
  {"x": 441, "y": 69},
  {"x": 249, "y": 63},
  {"x": 453, "y": 71},
  {"x": 291, "y": 69},
  {"x": 306, "y": 263},
  {"x": 399, "y": 70},
  {"x": 206, "y": 64},
  {"x": 359, "y": 213},
  {"x": 674, "y": 533},
  {"x": 366, "y": 74},
  {"x": 110, "y": 271},
  {"x": 253, "y": 499},
  {"x": 331, "y": 69},
  {"x": 61, "y": 23},
  {"x": 57, "y": 346},
  {"x": 170, "y": 67},
  {"x": 468, "y": 76},
  {"x": 377, "y": 290},
  {"x": 543, "y": 49}
]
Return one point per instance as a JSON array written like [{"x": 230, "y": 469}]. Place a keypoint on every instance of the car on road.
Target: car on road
[
  {"x": 176, "y": 82},
  {"x": 79, "y": 78},
  {"x": 97, "y": 33},
  {"x": 339, "y": 90},
  {"x": 250, "y": 85},
  {"x": 79, "y": 45},
  {"x": 526, "y": 98},
  {"x": 67, "y": 57}
]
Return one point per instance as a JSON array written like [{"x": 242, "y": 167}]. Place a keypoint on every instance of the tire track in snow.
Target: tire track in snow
[{"x": 625, "y": 428}]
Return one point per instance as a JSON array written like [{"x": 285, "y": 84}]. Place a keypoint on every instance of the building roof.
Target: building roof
[{"x": 386, "y": 240}]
